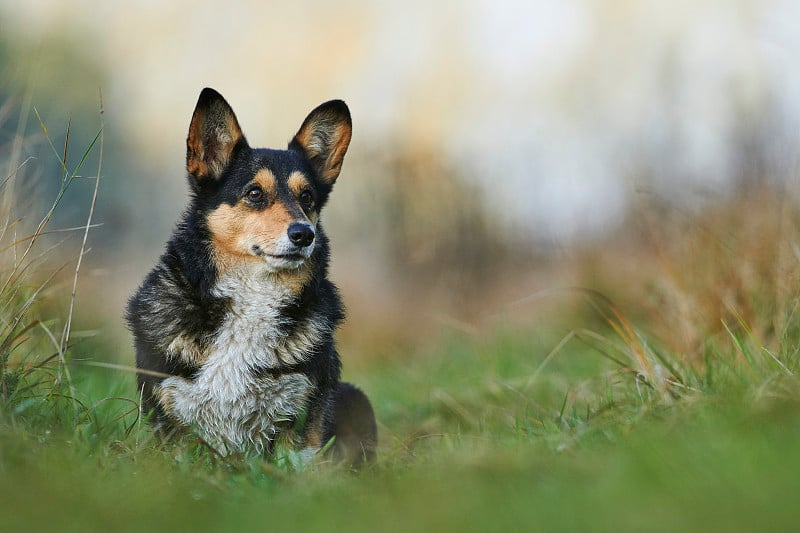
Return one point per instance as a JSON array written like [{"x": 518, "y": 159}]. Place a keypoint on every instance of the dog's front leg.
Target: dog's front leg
[{"x": 177, "y": 398}]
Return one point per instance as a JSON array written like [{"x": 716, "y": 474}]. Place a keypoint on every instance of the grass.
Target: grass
[
  {"x": 721, "y": 458},
  {"x": 598, "y": 420}
]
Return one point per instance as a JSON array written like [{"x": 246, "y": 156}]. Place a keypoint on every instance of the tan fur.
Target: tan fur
[
  {"x": 234, "y": 229},
  {"x": 195, "y": 161},
  {"x": 266, "y": 180},
  {"x": 339, "y": 149},
  {"x": 314, "y": 432},
  {"x": 297, "y": 182},
  {"x": 165, "y": 399},
  {"x": 186, "y": 348},
  {"x": 295, "y": 280}
]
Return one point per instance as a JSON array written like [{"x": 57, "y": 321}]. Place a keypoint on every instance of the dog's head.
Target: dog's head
[{"x": 262, "y": 205}]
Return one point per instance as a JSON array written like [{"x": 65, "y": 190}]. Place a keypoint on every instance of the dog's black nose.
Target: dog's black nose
[{"x": 300, "y": 234}]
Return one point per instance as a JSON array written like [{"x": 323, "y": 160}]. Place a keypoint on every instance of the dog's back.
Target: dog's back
[{"x": 234, "y": 327}]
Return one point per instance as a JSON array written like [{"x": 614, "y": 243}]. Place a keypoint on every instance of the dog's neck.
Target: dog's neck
[
  {"x": 249, "y": 281},
  {"x": 257, "y": 299}
]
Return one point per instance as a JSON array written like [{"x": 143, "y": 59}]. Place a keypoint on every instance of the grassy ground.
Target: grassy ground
[
  {"x": 678, "y": 409},
  {"x": 464, "y": 447}
]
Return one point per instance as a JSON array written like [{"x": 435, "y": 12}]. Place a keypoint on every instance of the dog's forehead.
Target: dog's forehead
[
  {"x": 276, "y": 171},
  {"x": 281, "y": 164}
]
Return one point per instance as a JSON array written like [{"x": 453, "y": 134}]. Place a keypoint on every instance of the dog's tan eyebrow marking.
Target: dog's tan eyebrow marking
[
  {"x": 297, "y": 182},
  {"x": 266, "y": 180}
]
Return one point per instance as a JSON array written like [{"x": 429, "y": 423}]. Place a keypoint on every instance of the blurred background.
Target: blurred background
[{"x": 500, "y": 149}]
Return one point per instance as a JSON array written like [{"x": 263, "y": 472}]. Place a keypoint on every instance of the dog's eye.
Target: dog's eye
[
  {"x": 255, "y": 194},
  {"x": 306, "y": 198}
]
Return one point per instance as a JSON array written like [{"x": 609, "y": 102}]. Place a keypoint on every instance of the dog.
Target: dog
[{"x": 233, "y": 328}]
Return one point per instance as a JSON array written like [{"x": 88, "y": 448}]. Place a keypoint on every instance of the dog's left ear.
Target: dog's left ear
[{"x": 324, "y": 137}]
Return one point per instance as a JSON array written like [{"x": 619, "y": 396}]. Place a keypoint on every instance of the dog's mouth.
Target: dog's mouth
[
  {"x": 291, "y": 259},
  {"x": 287, "y": 257}
]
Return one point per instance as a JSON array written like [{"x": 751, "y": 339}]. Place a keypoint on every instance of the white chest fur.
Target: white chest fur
[{"x": 232, "y": 407}]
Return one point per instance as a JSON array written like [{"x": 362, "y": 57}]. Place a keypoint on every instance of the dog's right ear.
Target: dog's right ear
[
  {"x": 214, "y": 136},
  {"x": 323, "y": 139}
]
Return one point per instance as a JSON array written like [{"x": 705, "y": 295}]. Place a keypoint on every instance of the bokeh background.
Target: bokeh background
[{"x": 500, "y": 148}]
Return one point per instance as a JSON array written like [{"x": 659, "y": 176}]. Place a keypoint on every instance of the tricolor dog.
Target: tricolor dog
[{"x": 234, "y": 326}]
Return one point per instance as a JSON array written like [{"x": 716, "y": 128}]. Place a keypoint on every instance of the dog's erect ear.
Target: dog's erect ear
[
  {"x": 214, "y": 134},
  {"x": 324, "y": 137}
]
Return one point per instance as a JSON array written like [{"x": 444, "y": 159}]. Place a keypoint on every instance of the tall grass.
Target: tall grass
[
  {"x": 39, "y": 269},
  {"x": 697, "y": 312}
]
